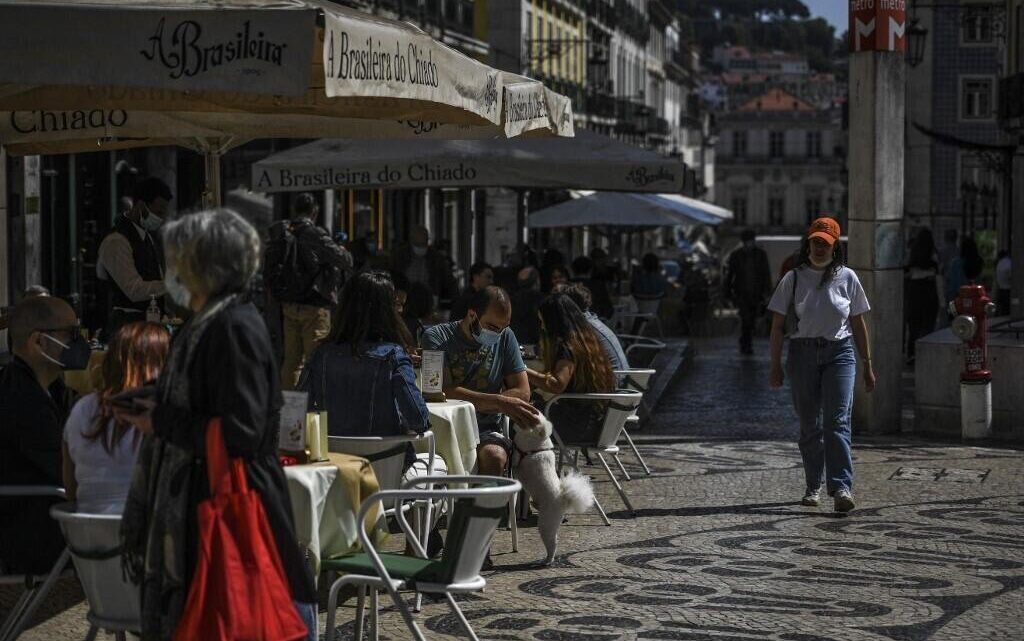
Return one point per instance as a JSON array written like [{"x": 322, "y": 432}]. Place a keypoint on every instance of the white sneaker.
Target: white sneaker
[
  {"x": 843, "y": 500},
  {"x": 811, "y": 498}
]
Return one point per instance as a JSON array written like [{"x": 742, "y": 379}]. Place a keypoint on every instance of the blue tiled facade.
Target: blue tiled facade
[{"x": 953, "y": 60}]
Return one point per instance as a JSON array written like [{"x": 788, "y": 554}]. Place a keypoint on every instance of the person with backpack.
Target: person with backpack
[{"x": 304, "y": 270}]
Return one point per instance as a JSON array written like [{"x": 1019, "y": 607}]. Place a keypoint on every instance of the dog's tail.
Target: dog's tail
[{"x": 577, "y": 494}]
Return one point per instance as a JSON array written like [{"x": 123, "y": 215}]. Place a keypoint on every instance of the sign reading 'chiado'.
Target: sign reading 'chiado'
[{"x": 385, "y": 61}]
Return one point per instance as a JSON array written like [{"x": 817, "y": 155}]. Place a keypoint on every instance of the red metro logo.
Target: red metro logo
[{"x": 878, "y": 25}]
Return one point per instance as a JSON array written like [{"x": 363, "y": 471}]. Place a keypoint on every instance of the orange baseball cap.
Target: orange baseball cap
[{"x": 824, "y": 228}]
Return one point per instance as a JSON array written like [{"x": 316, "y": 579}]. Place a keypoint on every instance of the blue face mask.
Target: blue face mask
[{"x": 486, "y": 337}]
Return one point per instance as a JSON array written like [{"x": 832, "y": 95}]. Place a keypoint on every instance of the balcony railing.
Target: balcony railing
[
  {"x": 657, "y": 126},
  {"x": 450, "y": 15}
]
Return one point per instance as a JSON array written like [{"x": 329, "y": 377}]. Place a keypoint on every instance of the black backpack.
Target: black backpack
[{"x": 288, "y": 277}]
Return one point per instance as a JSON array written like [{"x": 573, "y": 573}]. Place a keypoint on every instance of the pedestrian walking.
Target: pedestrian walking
[
  {"x": 964, "y": 268},
  {"x": 828, "y": 303},
  {"x": 922, "y": 293},
  {"x": 129, "y": 264},
  {"x": 304, "y": 270},
  {"x": 748, "y": 283},
  {"x": 220, "y": 365}
]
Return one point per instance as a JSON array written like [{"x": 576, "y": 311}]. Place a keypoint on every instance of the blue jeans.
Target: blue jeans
[
  {"x": 308, "y": 613},
  {"x": 821, "y": 377}
]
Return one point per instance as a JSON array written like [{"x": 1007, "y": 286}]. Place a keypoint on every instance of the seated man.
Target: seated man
[
  {"x": 34, "y": 404},
  {"x": 482, "y": 365},
  {"x": 580, "y": 295}
]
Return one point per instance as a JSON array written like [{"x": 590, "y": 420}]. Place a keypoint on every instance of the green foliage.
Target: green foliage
[{"x": 783, "y": 25}]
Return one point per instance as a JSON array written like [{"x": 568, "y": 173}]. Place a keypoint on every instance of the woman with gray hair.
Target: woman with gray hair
[{"x": 221, "y": 365}]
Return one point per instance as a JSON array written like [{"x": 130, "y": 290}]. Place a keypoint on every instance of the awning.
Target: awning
[
  {"x": 250, "y": 57},
  {"x": 586, "y": 161},
  {"x": 621, "y": 209}
]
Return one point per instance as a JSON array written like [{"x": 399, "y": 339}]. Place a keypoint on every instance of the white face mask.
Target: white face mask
[
  {"x": 175, "y": 289},
  {"x": 151, "y": 222}
]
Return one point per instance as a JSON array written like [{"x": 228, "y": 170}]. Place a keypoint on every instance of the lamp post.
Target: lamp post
[{"x": 916, "y": 37}]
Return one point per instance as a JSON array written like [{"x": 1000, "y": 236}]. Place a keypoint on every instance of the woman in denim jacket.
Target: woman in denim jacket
[{"x": 362, "y": 374}]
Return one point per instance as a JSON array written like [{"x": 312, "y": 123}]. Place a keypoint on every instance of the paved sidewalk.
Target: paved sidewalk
[{"x": 721, "y": 550}]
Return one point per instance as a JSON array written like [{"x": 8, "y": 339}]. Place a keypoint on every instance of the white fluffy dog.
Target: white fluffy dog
[{"x": 553, "y": 496}]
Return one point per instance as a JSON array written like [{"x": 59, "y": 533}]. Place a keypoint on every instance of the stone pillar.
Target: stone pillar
[
  {"x": 875, "y": 161},
  {"x": 1017, "y": 238}
]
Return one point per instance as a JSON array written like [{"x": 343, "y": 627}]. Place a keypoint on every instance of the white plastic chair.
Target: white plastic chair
[
  {"x": 648, "y": 311},
  {"x": 639, "y": 380},
  {"x": 35, "y": 590},
  {"x": 476, "y": 513},
  {"x": 618, "y": 406},
  {"x": 94, "y": 541},
  {"x": 513, "y": 516}
]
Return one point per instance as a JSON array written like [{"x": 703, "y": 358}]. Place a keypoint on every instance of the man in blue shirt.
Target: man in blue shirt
[{"x": 482, "y": 365}]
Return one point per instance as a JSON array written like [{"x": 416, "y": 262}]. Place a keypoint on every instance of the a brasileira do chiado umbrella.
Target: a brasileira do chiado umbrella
[{"x": 211, "y": 75}]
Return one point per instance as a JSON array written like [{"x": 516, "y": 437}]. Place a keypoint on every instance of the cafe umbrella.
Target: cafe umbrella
[{"x": 213, "y": 75}]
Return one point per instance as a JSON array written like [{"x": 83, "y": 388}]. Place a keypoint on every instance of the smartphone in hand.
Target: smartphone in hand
[{"x": 129, "y": 398}]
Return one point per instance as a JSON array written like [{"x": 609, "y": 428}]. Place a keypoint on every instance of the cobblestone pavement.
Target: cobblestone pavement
[{"x": 721, "y": 550}]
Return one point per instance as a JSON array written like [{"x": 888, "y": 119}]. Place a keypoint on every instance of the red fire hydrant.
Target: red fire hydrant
[{"x": 971, "y": 308}]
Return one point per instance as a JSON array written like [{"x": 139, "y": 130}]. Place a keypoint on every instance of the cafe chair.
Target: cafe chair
[
  {"x": 517, "y": 499},
  {"x": 633, "y": 344},
  {"x": 386, "y": 455},
  {"x": 36, "y": 590},
  {"x": 476, "y": 512},
  {"x": 618, "y": 407},
  {"x": 638, "y": 380},
  {"x": 94, "y": 541}
]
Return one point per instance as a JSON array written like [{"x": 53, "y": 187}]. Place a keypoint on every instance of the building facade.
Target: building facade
[{"x": 779, "y": 163}]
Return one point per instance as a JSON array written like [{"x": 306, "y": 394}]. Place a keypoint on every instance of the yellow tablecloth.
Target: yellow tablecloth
[
  {"x": 325, "y": 501},
  {"x": 456, "y": 435},
  {"x": 86, "y": 381}
]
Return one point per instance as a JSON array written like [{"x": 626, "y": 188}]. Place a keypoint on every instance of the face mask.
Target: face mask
[
  {"x": 73, "y": 356},
  {"x": 821, "y": 264},
  {"x": 175, "y": 289},
  {"x": 419, "y": 251},
  {"x": 486, "y": 337},
  {"x": 151, "y": 222}
]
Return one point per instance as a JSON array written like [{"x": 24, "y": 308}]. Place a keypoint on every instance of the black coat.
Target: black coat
[
  {"x": 31, "y": 429},
  {"x": 234, "y": 377}
]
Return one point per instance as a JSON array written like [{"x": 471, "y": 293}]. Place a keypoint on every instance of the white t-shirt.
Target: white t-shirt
[
  {"x": 824, "y": 312},
  {"x": 103, "y": 478}
]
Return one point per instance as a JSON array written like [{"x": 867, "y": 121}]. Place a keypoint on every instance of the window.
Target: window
[
  {"x": 776, "y": 144},
  {"x": 812, "y": 207},
  {"x": 814, "y": 144},
  {"x": 739, "y": 209},
  {"x": 976, "y": 98},
  {"x": 977, "y": 26},
  {"x": 739, "y": 144},
  {"x": 776, "y": 209}
]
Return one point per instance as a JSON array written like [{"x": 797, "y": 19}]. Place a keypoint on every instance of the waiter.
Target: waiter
[{"x": 130, "y": 262}]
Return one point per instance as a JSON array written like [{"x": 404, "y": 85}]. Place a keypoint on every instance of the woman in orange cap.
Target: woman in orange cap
[{"x": 827, "y": 303}]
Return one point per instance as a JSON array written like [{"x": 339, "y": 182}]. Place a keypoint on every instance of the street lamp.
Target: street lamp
[{"x": 916, "y": 36}]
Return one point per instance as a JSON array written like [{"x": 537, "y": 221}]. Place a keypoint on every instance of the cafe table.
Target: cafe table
[
  {"x": 325, "y": 500},
  {"x": 455, "y": 433}
]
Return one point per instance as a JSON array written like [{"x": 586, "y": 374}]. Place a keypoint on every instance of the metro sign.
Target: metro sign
[{"x": 878, "y": 25}]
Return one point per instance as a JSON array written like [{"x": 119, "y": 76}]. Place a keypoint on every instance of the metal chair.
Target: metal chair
[
  {"x": 639, "y": 380},
  {"x": 94, "y": 541},
  {"x": 618, "y": 406},
  {"x": 35, "y": 591},
  {"x": 475, "y": 516}
]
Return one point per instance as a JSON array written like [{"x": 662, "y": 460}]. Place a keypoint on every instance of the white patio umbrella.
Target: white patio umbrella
[
  {"x": 211, "y": 75},
  {"x": 621, "y": 209}
]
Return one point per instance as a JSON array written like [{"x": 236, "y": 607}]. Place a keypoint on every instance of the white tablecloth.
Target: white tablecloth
[
  {"x": 325, "y": 501},
  {"x": 456, "y": 434}
]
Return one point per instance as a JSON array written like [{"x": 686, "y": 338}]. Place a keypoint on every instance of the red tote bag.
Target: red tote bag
[{"x": 239, "y": 591}]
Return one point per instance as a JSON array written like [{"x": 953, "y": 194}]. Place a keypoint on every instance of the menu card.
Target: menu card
[
  {"x": 292, "y": 435},
  {"x": 432, "y": 375}
]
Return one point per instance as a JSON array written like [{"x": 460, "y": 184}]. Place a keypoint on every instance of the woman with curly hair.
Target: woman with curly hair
[{"x": 574, "y": 362}]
